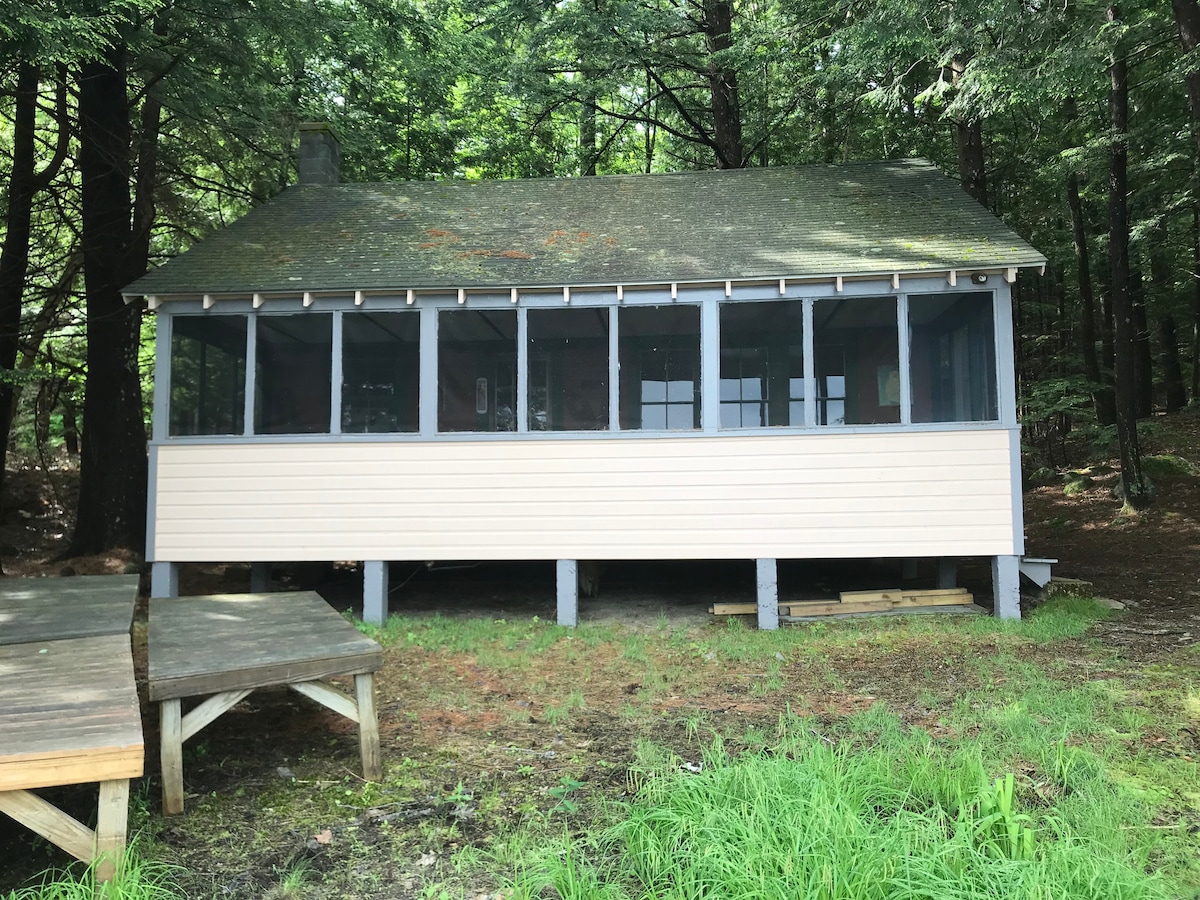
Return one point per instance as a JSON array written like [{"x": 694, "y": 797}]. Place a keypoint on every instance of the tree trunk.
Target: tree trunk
[
  {"x": 1187, "y": 23},
  {"x": 113, "y": 468},
  {"x": 14, "y": 256},
  {"x": 1143, "y": 358},
  {"x": 587, "y": 134},
  {"x": 1176, "y": 395},
  {"x": 723, "y": 85},
  {"x": 1195, "y": 303},
  {"x": 968, "y": 137},
  {"x": 1102, "y": 398},
  {"x": 1132, "y": 482}
]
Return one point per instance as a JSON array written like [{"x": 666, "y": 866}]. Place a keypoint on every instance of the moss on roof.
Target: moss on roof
[{"x": 859, "y": 218}]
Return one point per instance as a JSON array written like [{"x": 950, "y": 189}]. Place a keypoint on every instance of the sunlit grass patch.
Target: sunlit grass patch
[{"x": 138, "y": 878}]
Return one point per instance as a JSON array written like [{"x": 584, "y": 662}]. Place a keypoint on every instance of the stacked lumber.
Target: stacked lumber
[{"x": 863, "y": 603}]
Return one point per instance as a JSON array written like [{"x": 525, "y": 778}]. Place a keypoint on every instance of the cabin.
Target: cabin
[{"x": 761, "y": 364}]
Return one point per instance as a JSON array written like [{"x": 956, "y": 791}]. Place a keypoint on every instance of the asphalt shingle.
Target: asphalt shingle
[{"x": 859, "y": 218}]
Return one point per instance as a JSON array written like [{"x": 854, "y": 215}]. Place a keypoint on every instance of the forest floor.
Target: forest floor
[{"x": 500, "y": 730}]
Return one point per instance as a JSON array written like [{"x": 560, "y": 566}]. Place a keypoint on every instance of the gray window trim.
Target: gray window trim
[
  {"x": 251, "y": 375},
  {"x": 614, "y": 368},
  {"x": 335, "y": 376},
  {"x": 902, "y": 351},
  {"x": 427, "y": 403},
  {"x": 710, "y": 366},
  {"x": 522, "y": 398},
  {"x": 162, "y": 378},
  {"x": 810, "y": 366}
]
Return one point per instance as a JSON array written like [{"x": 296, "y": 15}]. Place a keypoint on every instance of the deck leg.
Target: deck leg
[
  {"x": 1006, "y": 585},
  {"x": 368, "y": 726},
  {"x": 567, "y": 572},
  {"x": 947, "y": 576},
  {"x": 50, "y": 822},
  {"x": 260, "y": 577},
  {"x": 164, "y": 579},
  {"x": 112, "y": 822},
  {"x": 375, "y": 591},
  {"x": 768, "y": 594},
  {"x": 171, "y": 726}
]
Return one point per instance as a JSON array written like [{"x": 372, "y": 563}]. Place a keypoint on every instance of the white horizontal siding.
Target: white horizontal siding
[{"x": 785, "y": 496}]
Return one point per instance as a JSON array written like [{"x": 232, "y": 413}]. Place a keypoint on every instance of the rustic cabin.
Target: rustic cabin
[{"x": 761, "y": 364}]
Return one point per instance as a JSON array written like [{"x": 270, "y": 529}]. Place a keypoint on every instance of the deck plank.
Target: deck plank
[
  {"x": 68, "y": 713},
  {"x": 47, "y": 609},
  {"x": 230, "y": 642}
]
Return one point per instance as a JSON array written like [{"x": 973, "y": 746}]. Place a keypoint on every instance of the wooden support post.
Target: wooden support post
[
  {"x": 209, "y": 711},
  {"x": 375, "y": 591},
  {"x": 164, "y": 579},
  {"x": 1006, "y": 586},
  {"x": 947, "y": 576},
  {"x": 768, "y": 594},
  {"x": 112, "y": 823},
  {"x": 568, "y": 592},
  {"x": 368, "y": 726},
  {"x": 260, "y": 577},
  {"x": 171, "y": 753}
]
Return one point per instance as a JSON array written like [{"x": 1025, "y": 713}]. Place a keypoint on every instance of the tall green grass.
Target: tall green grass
[
  {"x": 138, "y": 878},
  {"x": 904, "y": 817}
]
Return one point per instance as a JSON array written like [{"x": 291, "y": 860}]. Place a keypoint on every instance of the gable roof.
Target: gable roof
[{"x": 853, "y": 219}]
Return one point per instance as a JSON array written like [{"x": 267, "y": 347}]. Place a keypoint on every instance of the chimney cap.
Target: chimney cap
[{"x": 325, "y": 127}]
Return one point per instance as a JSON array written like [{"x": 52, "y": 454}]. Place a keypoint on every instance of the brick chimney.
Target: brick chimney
[{"x": 320, "y": 157}]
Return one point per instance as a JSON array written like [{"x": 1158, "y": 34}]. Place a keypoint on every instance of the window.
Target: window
[
  {"x": 381, "y": 365},
  {"x": 762, "y": 364},
  {"x": 659, "y": 352},
  {"x": 477, "y": 370},
  {"x": 953, "y": 357},
  {"x": 293, "y": 373},
  {"x": 857, "y": 360},
  {"x": 568, "y": 369},
  {"x": 208, "y": 375}
]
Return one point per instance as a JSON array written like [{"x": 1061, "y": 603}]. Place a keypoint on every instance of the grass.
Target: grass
[{"x": 138, "y": 878}]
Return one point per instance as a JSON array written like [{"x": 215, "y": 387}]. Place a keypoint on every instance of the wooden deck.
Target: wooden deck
[
  {"x": 69, "y": 709},
  {"x": 44, "y": 609},
  {"x": 226, "y": 645}
]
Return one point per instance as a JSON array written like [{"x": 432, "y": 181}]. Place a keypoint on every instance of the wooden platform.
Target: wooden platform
[
  {"x": 45, "y": 609},
  {"x": 226, "y": 645},
  {"x": 69, "y": 715}
]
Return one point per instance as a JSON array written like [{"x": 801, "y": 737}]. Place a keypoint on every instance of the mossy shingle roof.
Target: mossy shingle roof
[{"x": 859, "y": 218}]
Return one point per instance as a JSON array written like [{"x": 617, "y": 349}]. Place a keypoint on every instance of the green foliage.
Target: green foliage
[{"x": 138, "y": 878}]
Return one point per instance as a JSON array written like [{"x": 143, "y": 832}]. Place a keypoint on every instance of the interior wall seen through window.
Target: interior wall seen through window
[
  {"x": 857, "y": 359},
  {"x": 952, "y": 357},
  {"x": 477, "y": 370},
  {"x": 381, "y": 368},
  {"x": 568, "y": 369},
  {"x": 208, "y": 375},
  {"x": 659, "y": 354},
  {"x": 293, "y": 373},
  {"x": 762, "y": 364}
]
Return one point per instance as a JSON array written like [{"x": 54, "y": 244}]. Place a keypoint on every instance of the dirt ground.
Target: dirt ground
[{"x": 477, "y": 743}]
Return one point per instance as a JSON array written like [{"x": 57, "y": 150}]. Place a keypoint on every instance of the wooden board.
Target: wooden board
[
  {"x": 858, "y": 596},
  {"x": 49, "y": 609},
  {"x": 230, "y": 642},
  {"x": 957, "y": 597},
  {"x": 841, "y": 608},
  {"x": 68, "y": 713},
  {"x": 963, "y": 609}
]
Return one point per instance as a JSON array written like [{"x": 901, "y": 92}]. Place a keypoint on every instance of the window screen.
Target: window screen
[
  {"x": 208, "y": 375},
  {"x": 857, "y": 360},
  {"x": 568, "y": 369},
  {"x": 762, "y": 364},
  {"x": 659, "y": 350},
  {"x": 477, "y": 370},
  {"x": 953, "y": 357},
  {"x": 293, "y": 373},
  {"x": 381, "y": 366}
]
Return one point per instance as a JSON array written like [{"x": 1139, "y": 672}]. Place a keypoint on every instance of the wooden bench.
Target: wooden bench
[
  {"x": 69, "y": 715},
  {"x": 225, "y": 646}
]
